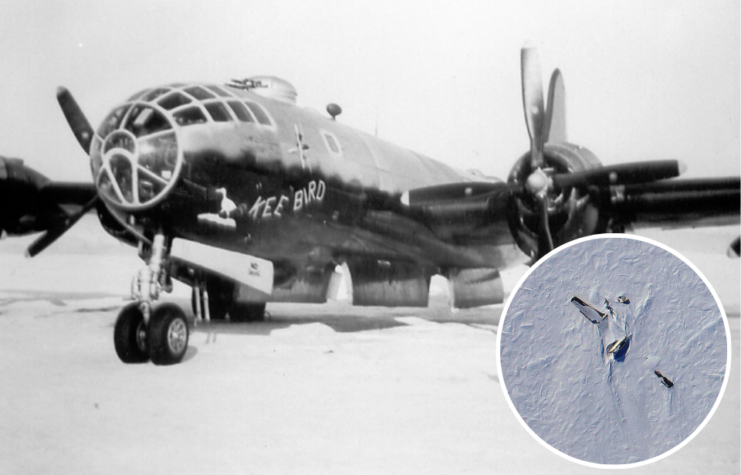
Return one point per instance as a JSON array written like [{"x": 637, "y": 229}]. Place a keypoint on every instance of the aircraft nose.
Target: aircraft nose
[{"x": 135, "y": 158}]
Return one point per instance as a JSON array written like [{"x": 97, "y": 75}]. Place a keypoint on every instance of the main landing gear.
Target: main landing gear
[{"x": 144, "y": 332}]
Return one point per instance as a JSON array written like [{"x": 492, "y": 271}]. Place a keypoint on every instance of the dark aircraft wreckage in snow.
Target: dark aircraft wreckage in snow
[{"x": 237, "y": 192}]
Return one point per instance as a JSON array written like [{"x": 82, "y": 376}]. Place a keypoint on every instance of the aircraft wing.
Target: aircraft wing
[
  {"x": 678, "y": 203},
  {"x": 467, "y": 212}
]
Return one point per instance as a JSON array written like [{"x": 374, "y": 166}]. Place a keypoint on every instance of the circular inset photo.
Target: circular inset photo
[{"x": 614, "y": 351}]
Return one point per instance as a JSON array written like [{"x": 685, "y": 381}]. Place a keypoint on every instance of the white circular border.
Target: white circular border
[{"x": 725, "y": 377}]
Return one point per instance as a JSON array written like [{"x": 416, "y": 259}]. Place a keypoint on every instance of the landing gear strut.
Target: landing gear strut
[{"x": 219, "y": 300}]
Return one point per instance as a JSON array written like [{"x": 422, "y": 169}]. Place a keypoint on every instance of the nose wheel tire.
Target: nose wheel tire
[
  {"x": 168, "y": 333},
  {"x": 130, "y": 335}
]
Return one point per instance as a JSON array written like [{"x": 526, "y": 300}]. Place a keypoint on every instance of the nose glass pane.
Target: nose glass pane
[
  {"x": 148, "y": 188},
  {"x": 159, "y": 155},
  {"x": 122, "y": 173},
  {"x": 105, "y": 186},
  {"x": 145, "y": 120},
  {"x": 113, "y": 120},
  {"x": 122, "y": 140}
]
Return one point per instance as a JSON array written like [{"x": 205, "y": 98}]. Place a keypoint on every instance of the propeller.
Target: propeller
[
  {"x": 540, "y": 122},
  {"x": 543, "y": 190},
  {"x": 84, "y": 134},
  {"x": 549, "y": 126}
]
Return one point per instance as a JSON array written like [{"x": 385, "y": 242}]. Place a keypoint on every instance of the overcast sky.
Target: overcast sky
[{"x": 644, "y": 80}]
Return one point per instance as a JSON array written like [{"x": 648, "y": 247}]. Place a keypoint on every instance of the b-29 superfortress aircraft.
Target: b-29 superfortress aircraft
[{"x": 248, "y": 198}]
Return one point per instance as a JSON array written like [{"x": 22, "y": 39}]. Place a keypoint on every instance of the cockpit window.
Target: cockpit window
[
  {"x": 153, "y": 94},
  {"x": 199, "y": 93},
  {"x": 260, "y": 114},
  {"x": 113, "y": 120},
  {"x": 219, "y": 91},
  {"x": 144, "y": 121},
  {"x": 189, "y": 116},
  {"x": 218, "y": 111},
  {"x": 173, "y": 100},
  {"x": 240, "y": 111}
]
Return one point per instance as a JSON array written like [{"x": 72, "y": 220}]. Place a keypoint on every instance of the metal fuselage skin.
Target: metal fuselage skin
[{"x": 232, "y": 169}]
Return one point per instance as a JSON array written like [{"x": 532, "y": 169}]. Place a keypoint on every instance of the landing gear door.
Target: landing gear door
[{"x": 251, "y": 271}]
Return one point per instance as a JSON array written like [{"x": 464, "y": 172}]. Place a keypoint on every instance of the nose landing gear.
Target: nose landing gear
[
  {"x": 164, "y": 340},
  {"x": 143, "y": 333}
]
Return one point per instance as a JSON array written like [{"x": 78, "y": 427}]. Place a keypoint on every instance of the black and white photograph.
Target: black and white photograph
[{"x": 279, "y": 237}]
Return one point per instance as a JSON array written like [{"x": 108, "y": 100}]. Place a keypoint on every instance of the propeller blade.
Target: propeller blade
[
  {"x": 545, "y": 241},
  {"x": 58, "y": 229},
  {"x": 621, "y": 174},
  {"x": 75, "y": 118},
  {"x": 554, "y": 128},
  {"x": 532, "y": 102}
]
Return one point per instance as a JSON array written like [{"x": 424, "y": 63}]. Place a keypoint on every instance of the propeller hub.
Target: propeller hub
[{"x": 538, "y": 183}]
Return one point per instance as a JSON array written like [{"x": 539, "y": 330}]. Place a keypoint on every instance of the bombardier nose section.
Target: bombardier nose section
[{"x": 135, "y": 157}]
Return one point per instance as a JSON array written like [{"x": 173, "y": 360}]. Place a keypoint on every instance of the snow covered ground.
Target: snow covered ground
[{"x": 316, "y": 389}]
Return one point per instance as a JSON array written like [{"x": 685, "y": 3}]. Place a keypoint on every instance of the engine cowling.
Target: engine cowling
[{"x": 572, "y": 212}]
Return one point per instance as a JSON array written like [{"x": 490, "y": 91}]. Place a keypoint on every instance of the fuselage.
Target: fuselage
[{"x": 226, "y": 166}]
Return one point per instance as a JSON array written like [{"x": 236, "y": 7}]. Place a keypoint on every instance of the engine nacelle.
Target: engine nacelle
[
  {"x": 574, "y": 213},
  {"x": 29, "y": 211}
]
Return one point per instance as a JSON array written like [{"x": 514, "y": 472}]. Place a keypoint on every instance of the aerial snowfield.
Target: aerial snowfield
[{"x": 613, "y": 350}]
